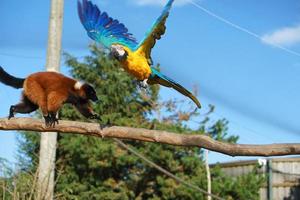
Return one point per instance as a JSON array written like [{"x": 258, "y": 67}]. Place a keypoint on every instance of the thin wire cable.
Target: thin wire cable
[
  {"x": 31, "y": 57},
  {"x": 20, "y": 56},
  {"x": 241, "y": 28},
  {"x": 250, "y": 130},
  {"x": 122, "y": 144}
]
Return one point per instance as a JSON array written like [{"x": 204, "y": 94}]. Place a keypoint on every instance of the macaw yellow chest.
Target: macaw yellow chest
[{"x": 136, "y": 64}]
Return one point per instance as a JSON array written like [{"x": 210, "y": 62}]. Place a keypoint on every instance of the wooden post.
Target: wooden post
[
  {"x": 48, "y": 142},
  {"x": 207, "y": 174}
]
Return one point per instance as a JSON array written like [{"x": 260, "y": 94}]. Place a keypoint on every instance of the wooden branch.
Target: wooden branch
[{"x": 202, "y": 141}]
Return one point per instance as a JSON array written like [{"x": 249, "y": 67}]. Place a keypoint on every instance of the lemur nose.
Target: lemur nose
[{"x": 95, "y": 98}]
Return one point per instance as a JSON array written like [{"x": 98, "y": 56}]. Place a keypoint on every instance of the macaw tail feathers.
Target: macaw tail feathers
[{"x": 157, "y": 77}]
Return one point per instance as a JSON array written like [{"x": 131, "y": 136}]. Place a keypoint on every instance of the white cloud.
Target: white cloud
[
  {"x": 158, "y": 2},
  {"x": 286, "y": 36}
]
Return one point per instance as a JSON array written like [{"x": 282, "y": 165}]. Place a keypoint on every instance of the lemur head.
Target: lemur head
[
  {"x": 87, "y": 91},
  {"x": 118, "y": 52}
]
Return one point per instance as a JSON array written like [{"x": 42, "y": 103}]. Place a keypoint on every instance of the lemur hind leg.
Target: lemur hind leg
[
  {"x": 25, "y": 106},
  {"x": 55, "y": 100},
  {"x": 51, "y": 120},
  {"x": 36, "y": 94}
]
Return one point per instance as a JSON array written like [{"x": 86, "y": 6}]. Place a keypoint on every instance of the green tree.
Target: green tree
[{"x": 90, "y": 168}]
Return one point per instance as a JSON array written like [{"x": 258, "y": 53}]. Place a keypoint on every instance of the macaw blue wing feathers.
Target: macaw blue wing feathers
[
  {"x": 157, "y": 77},
  {"x": 102, "y": 28},
  {"x": 155, "y": 33}
]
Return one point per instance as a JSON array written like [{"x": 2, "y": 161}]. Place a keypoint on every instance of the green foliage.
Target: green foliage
[
  {"x": 90, "y": 168},
  {"x": 242, "y": 187},
  {"x": 20, "y": 185}
]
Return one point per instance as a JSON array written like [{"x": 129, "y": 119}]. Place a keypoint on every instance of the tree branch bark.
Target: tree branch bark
[{"x": 202, "y": 141}]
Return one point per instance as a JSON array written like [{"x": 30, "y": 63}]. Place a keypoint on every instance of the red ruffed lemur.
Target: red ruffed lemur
[{"x": 49, "y": 91}]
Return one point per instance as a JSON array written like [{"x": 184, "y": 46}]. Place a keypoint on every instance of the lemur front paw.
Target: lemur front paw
[{"x": 95, "y": 116}]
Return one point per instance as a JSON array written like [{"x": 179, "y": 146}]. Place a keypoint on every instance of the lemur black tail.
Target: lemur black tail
[{"x": 10, "y": 80}]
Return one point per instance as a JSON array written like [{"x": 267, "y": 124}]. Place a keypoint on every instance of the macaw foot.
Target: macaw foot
[{"x": 143, "y": 84}]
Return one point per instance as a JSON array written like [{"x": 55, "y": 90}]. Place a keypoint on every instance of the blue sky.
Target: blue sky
[{"x": 252, "y": 83}]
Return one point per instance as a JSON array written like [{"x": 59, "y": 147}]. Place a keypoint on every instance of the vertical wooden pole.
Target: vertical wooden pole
[
  {"x": 207, "y": 174},
  {"x": 46, "y": 169}
]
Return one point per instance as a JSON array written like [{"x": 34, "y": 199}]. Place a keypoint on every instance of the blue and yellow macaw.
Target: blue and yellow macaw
[{"x": 134, "y": 57}]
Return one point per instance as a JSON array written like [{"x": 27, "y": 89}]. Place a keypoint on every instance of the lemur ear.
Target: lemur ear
[{"x": 78, "y": 85}]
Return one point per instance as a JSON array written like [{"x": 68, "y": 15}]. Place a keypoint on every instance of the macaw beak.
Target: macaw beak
[
  {"x": 113, "y": 54},
  {"x": 118, "y": 52},
  {"x": 123, "y": 57}
]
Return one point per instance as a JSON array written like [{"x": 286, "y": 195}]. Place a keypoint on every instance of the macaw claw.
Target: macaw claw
[{"x": 143, "y": 84}]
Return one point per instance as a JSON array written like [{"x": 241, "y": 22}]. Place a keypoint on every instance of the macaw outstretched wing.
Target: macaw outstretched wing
[
  {"x": 102, "y": 28},
  {"x": 155, "y": 33}
]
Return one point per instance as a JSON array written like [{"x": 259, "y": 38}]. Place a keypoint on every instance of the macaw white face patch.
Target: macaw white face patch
[
  {"x": 118, "y": 49},
  {"x": 78, "y": 85}
]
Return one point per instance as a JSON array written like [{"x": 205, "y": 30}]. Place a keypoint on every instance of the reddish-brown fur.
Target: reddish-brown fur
[{"x": 50, "y": 90}]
